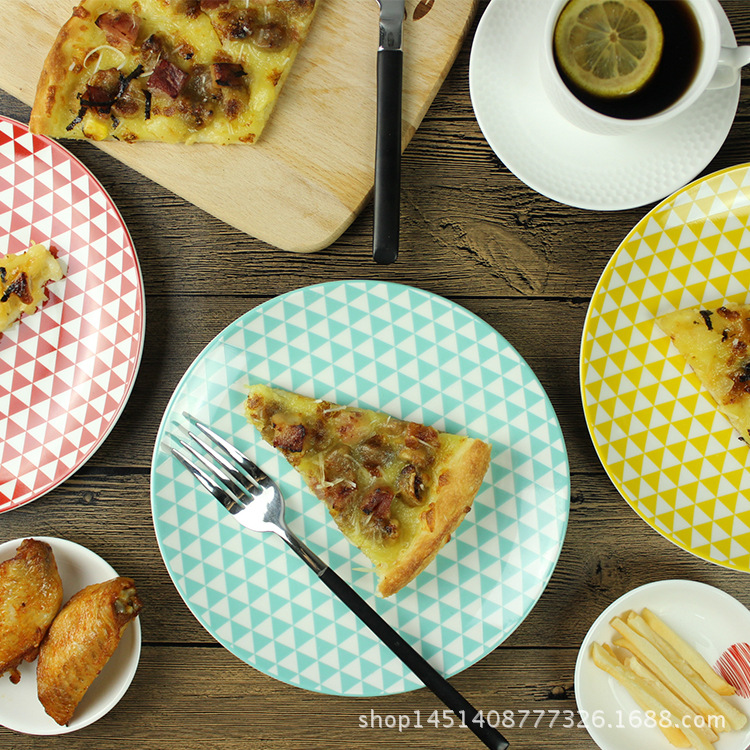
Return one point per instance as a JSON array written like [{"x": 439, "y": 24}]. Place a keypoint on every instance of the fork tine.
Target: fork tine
[
  {"x": 217, "y": 471},
  {"x": 252, "y": 469},
  {"x": 236, "y": 475},
  {"x": 215, "y": 489}
]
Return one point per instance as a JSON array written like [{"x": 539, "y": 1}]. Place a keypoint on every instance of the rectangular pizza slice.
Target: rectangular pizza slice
[{"x": 175, "y": 71}]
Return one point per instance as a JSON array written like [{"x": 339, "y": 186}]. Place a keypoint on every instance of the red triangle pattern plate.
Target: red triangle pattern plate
[{"x": 67, "y": 371}]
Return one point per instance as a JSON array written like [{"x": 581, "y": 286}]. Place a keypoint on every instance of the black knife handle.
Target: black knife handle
[
  {"x": 387, "y": 198},
  {"x": 468, "y": 715}
]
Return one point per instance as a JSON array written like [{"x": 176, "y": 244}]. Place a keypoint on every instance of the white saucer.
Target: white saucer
[
  {"x": 557, "y": 159},
  {"x": 20, "y": 709}
]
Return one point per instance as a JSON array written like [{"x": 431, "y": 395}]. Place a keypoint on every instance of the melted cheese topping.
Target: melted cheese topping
[
  {"x": 263, "y": 36},
  {"x": 40, "y": 267}
]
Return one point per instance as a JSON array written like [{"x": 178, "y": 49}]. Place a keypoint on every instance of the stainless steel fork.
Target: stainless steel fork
[{"x": 257, "y": 503}]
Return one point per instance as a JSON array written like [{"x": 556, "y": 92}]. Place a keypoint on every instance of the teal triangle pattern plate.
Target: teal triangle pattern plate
[{"x": 416, "y": 356}]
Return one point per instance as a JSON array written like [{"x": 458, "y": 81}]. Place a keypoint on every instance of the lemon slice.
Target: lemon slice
[{"x": 608, "y": 48}]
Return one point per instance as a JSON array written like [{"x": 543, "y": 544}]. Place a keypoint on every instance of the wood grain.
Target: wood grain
[
  {"x": 473, "y": 233},
  {"x": 311, "y": 171}
]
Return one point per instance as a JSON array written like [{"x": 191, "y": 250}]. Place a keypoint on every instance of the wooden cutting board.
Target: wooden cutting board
[{"x": 311, "y": 172}]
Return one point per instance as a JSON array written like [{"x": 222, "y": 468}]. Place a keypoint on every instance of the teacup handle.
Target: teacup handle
[{"x": 731, "y": 61}]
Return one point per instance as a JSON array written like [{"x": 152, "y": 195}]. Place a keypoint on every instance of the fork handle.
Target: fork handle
[{"x": 470, "y": 717}]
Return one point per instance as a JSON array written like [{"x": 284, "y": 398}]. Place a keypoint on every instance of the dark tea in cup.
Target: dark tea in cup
[
  {"x": 640, "y": 63},
  {"x": 679, "y": 62}
]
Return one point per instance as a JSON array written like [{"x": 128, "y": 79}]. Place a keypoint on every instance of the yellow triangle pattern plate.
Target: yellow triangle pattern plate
[{"x": 670, "y": 453}]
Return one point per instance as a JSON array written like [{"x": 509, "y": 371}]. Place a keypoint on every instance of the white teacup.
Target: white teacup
[{"x": 718, "y": 67}]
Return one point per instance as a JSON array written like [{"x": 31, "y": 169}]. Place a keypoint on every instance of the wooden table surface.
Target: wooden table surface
[{"x": 472, "y": 232}]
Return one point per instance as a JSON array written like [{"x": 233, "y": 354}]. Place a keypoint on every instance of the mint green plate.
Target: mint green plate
[{"x": 416, "y": 356}]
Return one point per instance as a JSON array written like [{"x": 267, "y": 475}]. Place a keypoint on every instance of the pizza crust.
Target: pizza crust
[
  {"x": 459, "y": 480},
  {"x": 48, "y": 96}
]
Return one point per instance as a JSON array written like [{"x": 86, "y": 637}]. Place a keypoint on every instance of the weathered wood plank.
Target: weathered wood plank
[
  {"x": 202, "y": 698},
  {"x": 607, "y": 551}
]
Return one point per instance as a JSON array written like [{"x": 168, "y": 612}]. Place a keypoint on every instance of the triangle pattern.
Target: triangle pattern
[
  {"x": 66, "y": 372},
  {"x": 669, "y": 452},
  {"x": 414, "y": 355}
]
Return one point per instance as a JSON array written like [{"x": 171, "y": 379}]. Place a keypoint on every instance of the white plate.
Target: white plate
[
  {"x": 706, "y": 617},
  {"x": 20, "y": 709},
  {"x": 557, "y": 159}
]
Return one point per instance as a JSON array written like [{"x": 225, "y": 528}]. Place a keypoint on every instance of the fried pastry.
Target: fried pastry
[
  {"x": 81, "y": 641},
  {"x": 31, "y": 593}
]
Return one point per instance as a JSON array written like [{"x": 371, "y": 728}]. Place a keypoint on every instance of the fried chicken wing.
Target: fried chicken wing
[
  {"x": 31, "y": 593},
  {"x": 80, "y": 642}
]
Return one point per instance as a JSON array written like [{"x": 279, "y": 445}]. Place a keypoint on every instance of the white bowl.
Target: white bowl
[
  {"x": 20, "y": 709},
  {"x": 706, "y": 617}
]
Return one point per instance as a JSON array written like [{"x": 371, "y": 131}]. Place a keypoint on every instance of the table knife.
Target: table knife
[{"x": 387, "y": 193}]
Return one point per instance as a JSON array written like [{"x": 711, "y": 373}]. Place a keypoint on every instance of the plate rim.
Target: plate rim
[
  {"x": 368, "y": 284},
  {"x": 53, "y": 484}
]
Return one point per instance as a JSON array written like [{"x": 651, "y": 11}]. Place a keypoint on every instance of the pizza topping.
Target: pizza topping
[
  {"x": 190, "y": 8},
  {"x": 377, "y": 505},
  {"x": 20, "y": 287},
  {"x": 272, "y": 35},
  {"x": 185, "y": 51},
  {"x": 152, "y": 50},
  {"x": 727, "y": 313},
  {"x": 706, "y": 315},
  {"x": 212, "y": 4},
  {"x": 338, "y": 478},
  {"x": 352, "y": 426},
  {"x": 288, "y": 437},
  {"x": 104, "y": 90},
  {"x": 168, "y": 78},
  {"x": 228, "y": 74},
  {"x": 419, "y": 435},
  {"x": 121, "y": 28},
  {"x": 99, "y": 56},
  {"x": 410, "y": 485},
  {"x": 373, "y": 454},
  {"x": 298, "y": 7},
  {"x": 237, "y": 23}
]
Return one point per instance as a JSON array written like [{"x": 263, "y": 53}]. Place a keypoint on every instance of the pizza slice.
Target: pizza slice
[
  {"x": 23, "y": 282},
  {"x": 396, "y": 489},
  {"x": 175, "y": 71},
  {"x": 716, "y": 344}
]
